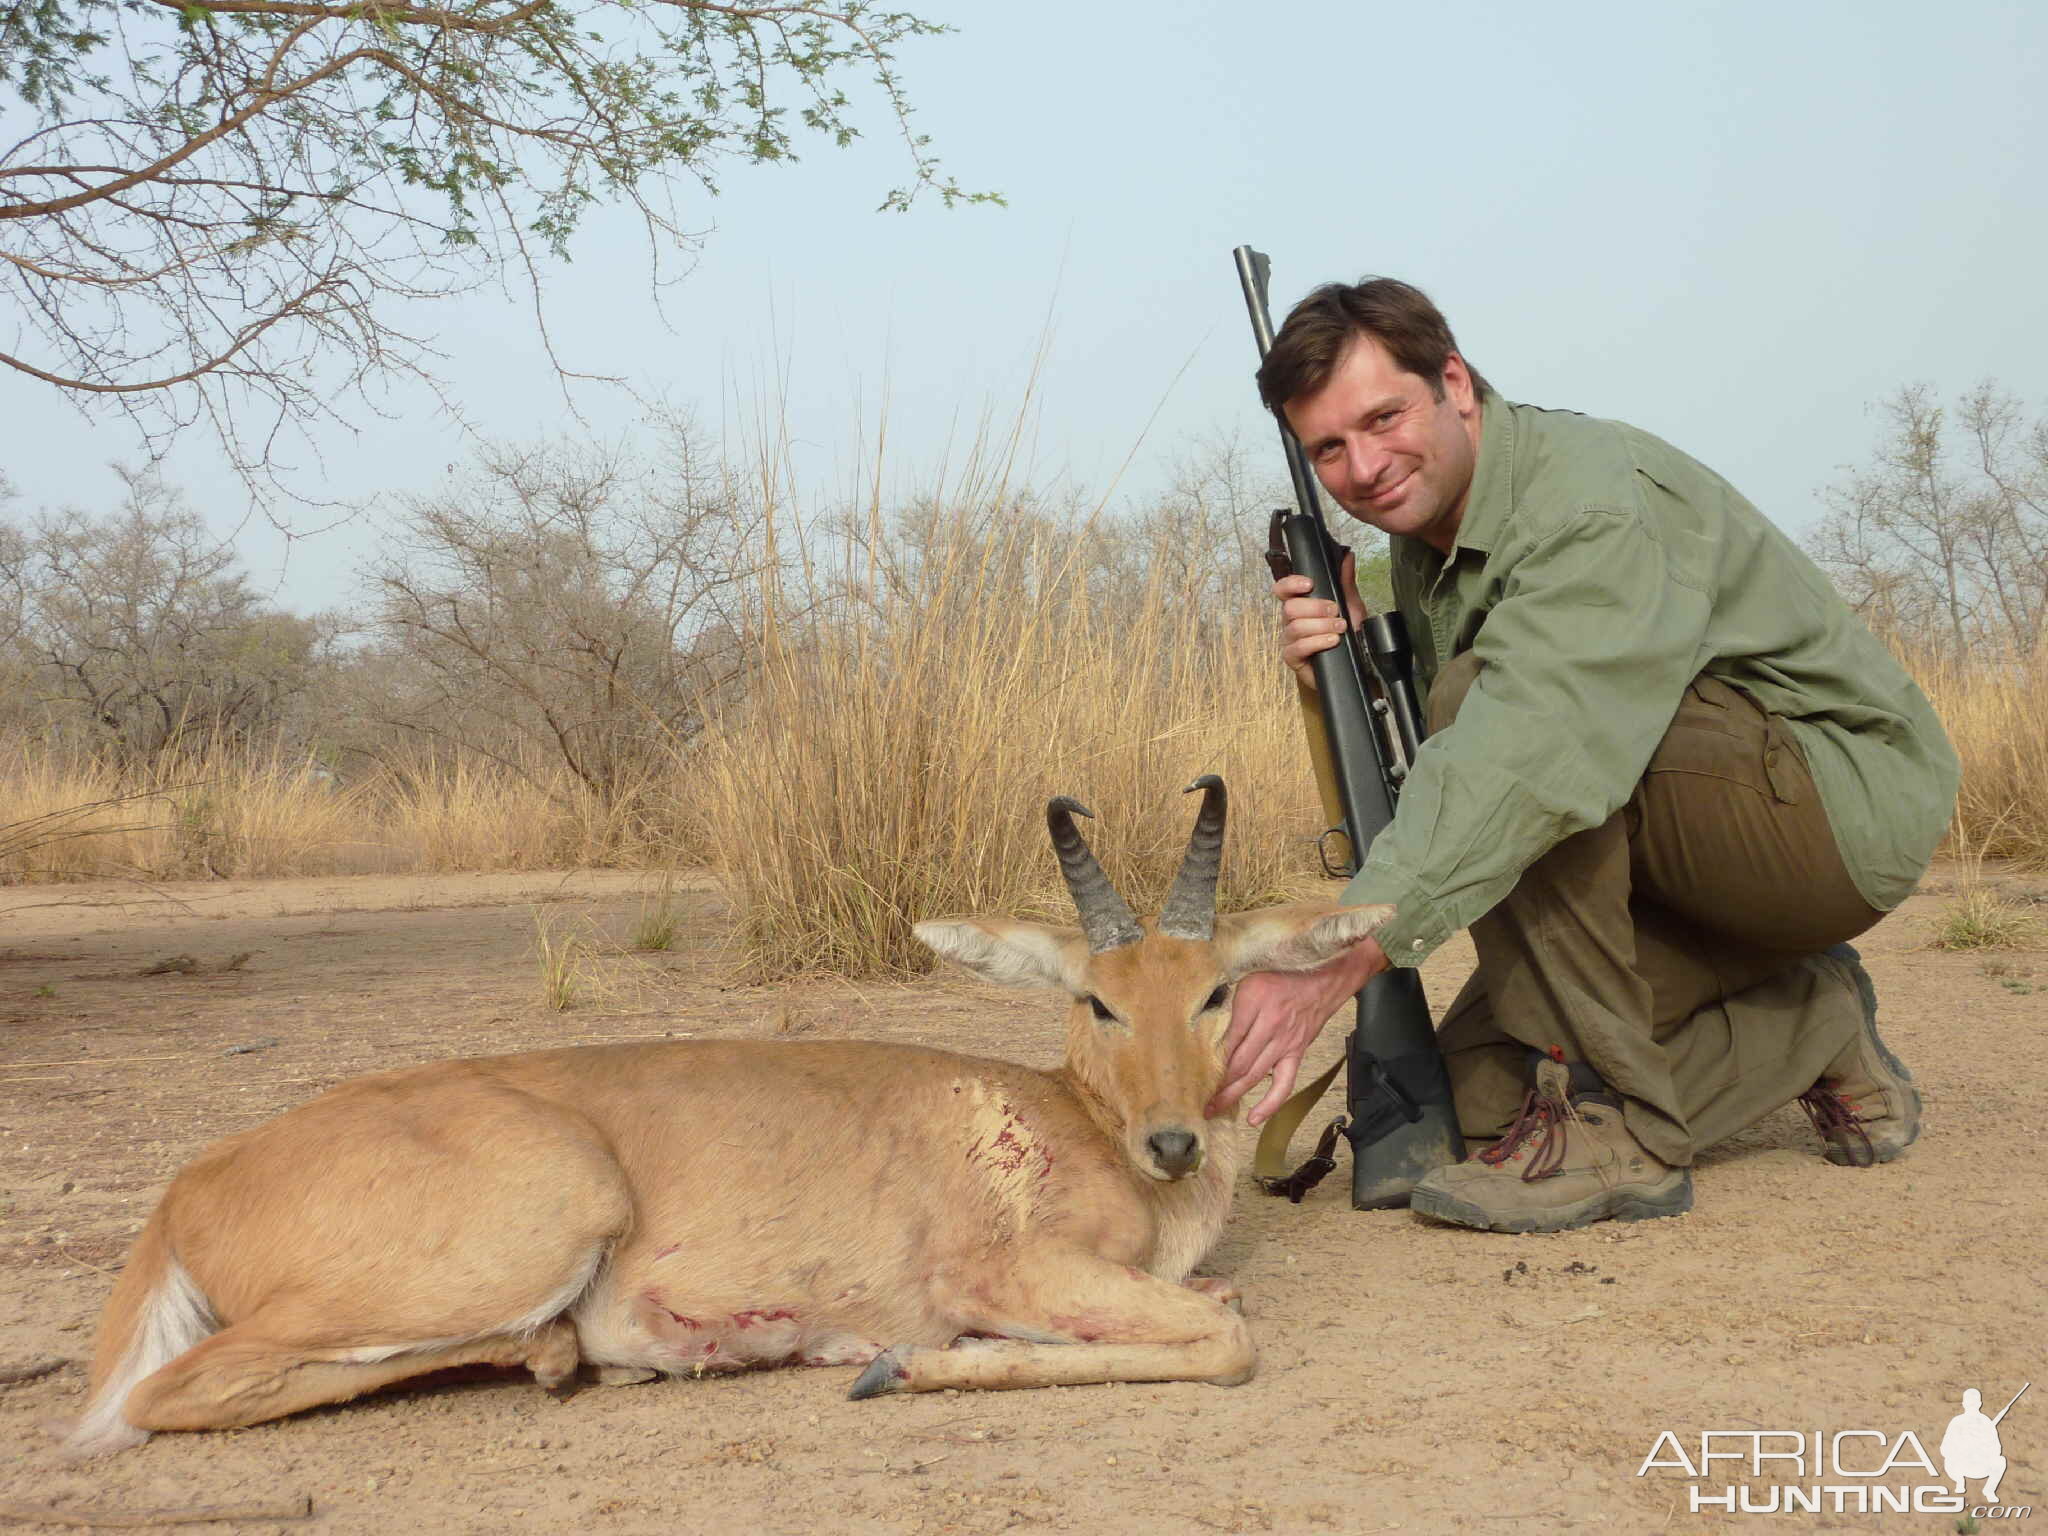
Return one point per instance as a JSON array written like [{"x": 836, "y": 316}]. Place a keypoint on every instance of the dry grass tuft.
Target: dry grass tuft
[
  {"x": 567, "y": 958},
  {"x": 659, "y": 921},
  {"x": 1980, "y": 918}
]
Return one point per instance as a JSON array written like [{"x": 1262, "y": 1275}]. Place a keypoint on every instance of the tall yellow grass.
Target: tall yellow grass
[
  {"x": 892, "y": 759},
  {"x": 1996, "y": 711},
  {"x": 916, "y": 697},
  {"x": 68, "y": 817},
  {"x": 231, "y": 812},
  {"x": 477, "y": 815}
]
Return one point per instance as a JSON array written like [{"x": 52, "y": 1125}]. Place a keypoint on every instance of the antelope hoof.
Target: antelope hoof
[
  {"x": 553, "y": 1358},
  {"x": 885, "y": 1373},
  {"x": 622, "y": 1375},
  {"x": 1219, "y": 1288}
]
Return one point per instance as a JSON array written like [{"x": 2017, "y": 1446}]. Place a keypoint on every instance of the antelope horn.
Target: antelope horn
[
  {"x": 1190, "y": 910},
  {"x": 1105, "y": 917}
]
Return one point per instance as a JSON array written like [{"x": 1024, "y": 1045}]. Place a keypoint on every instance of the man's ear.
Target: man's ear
[
  {"x": 1458, "y": 385},
  {"x": 1292, "y": 938},
  {"x": 1009, "y": 950}
]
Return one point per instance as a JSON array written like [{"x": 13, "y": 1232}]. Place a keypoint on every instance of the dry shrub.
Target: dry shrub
[{"x": 894, "y": 754}]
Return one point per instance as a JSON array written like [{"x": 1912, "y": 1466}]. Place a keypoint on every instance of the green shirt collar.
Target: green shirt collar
[{"x": 1491, "y": 498}]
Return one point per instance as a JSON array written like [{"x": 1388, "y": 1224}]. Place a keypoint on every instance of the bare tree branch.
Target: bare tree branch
[
  {"x": 217, "y": 203},
  {"x": 574, "y": 601},
  {"x": 1943, "y": 537}
]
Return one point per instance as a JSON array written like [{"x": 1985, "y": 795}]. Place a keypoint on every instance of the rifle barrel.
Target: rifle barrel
[
  {"x": 2008, "y": 1407},
  {"x": 1253, "y": 273}
]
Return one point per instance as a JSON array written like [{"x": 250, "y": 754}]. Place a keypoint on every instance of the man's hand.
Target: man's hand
[
  {"x": 1276, "y": 1015},
  {"x": 1310, "y": 624}
]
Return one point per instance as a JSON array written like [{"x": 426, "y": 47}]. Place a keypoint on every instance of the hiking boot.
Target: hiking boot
[
  {"x": 1567, "y": 1161},
  {"x": 1865, "y": 1105}
]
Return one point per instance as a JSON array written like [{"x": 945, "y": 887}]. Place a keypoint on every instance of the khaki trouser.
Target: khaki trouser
[{"x": 1672, "y": 949}]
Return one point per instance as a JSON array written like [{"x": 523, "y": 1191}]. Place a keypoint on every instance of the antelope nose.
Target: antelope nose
[{"x": 1176, "y": 1152}]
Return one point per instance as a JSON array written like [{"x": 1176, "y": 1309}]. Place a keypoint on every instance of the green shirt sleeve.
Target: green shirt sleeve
[{"x": 1584, "y": 657}]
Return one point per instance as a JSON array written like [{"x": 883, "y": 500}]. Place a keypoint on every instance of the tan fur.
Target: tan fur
[{"x": 707, "y": 1205}]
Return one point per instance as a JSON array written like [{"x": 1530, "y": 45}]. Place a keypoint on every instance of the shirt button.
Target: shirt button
[{"x": 1416, "y": 944}]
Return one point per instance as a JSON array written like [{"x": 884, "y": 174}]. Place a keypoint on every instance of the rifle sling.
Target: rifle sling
[
  {"x": 1270, "y": 1170},
  {"x": 1390, "y": 1098}
]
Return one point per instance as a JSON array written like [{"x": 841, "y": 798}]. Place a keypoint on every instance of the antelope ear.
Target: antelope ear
[
  {"x": 1292, "y": 938},
  {"x": 1009, "y": 950}
]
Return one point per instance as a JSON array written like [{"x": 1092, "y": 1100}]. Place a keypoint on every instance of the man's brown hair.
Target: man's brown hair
[{"x": 1398, "y": 315}]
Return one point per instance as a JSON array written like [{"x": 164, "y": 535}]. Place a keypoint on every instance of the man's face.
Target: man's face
[{"x": 1386, "y": 449}]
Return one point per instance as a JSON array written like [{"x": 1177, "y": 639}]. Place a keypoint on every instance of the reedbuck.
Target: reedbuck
[{"x": 944, "y": 1220}]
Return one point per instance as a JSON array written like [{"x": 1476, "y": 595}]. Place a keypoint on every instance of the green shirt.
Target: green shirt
[{"x": 1596, "y": 572}]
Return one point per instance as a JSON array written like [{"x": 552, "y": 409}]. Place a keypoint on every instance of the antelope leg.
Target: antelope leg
[
  {"x": 1071, "y": 1319},
  {"x": 253, "y": 1371}
]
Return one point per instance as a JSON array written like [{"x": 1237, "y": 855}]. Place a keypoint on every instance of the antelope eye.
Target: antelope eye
[
  {"x": 1100, "y": 1008},
  {"x": 1216, "y": 999}
]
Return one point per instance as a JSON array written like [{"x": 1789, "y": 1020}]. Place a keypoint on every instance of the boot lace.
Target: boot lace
[
  {"x": 1540, "y": 1120},
  {"x": 1835, "y": 1118}
]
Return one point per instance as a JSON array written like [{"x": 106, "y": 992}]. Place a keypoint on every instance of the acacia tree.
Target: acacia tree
[
  {"x": 565, "y": 606},
  {"x": 1943, "y": 536},
  {"x": 134, "y": 631},
  {"x": 200, "y": 200}
]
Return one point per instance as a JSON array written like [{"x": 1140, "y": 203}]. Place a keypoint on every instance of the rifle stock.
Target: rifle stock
[{"x": 1400, "y": 1123}]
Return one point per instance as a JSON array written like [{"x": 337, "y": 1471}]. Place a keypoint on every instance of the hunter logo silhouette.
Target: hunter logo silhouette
[{"x": 1970, "y": 1446}]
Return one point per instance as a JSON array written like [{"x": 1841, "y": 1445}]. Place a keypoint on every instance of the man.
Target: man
[
  {"x": 1669, "y": 775},
  {"x": 1970, "y": 1447}
]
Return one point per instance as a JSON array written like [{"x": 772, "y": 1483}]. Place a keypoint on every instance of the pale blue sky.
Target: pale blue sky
[{"x": 1734, "y": 224}]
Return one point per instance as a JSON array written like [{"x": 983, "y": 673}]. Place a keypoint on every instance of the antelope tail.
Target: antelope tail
[{"x": 155, "y": 1314}]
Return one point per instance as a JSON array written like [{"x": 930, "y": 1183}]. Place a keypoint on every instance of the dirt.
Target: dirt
[{"x": 1412, "y": 1376}]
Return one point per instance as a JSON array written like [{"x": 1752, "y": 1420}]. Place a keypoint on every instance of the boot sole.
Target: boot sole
[
  {"x": 1848, "y": 1153},
  {"x": 1608, "y": 1205}
]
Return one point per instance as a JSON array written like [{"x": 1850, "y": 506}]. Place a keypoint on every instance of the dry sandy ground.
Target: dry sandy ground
[{"x": 1413, "y": 1377}]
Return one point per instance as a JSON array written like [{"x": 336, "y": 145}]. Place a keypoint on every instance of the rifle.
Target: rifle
[
  {"x": 1399, "y": 1119},
  {"x": 2008, "y": 1407}
]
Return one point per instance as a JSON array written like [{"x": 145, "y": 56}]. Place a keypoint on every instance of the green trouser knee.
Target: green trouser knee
[{"x": 1675, "y": 947}]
